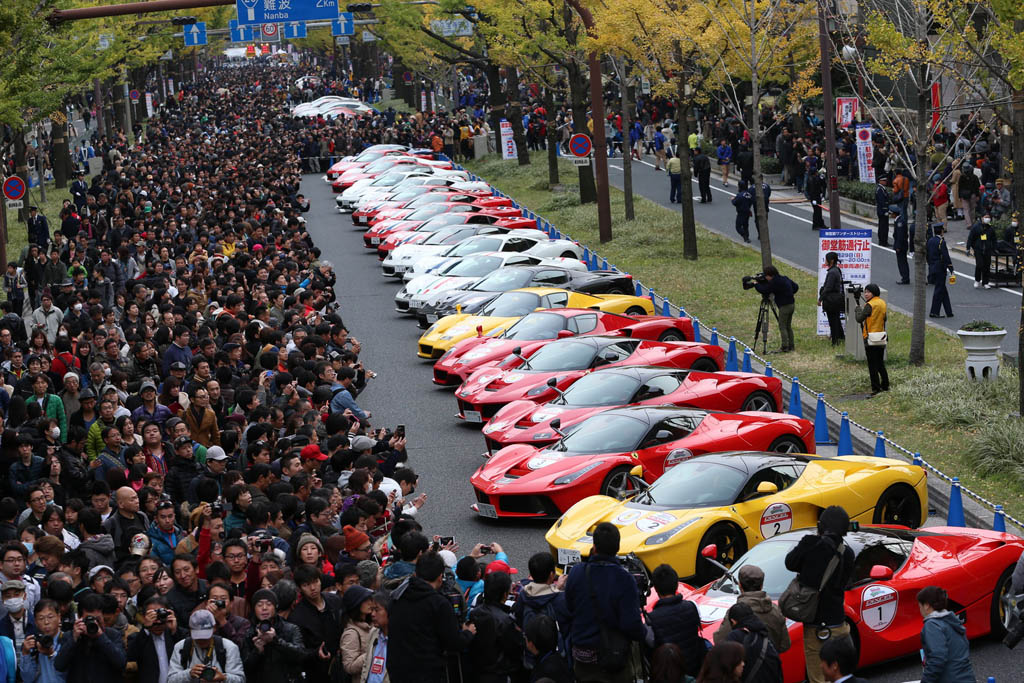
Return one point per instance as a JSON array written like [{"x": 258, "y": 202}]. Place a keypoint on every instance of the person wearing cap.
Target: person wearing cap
[
  {"x": 872, "y": 318},
  {"x": 203, "y": 650},
  {"x": 18, "y": 623},
  {"x": 46, "y": 318},
  {"x": 150, "y": 408},
  {"x": 751, "y": 579},
  {"x": 357, "y": 604},
  {"x": 832, "y": 299},
  {"x": 216, "y": 465}
]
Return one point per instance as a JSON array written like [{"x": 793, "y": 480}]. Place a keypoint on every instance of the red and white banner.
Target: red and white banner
[
  {"x": 846, "y": 111},
  {"x": 936, "y": 104},
  {"x": 865, "y": 153}
]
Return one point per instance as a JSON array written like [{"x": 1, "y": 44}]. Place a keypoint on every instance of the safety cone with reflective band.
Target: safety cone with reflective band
[
  {"x": 696, "y": 330},
  {"x": 796, "y": 406},
  {"x": 639, "y": 290},
  {"x": 917, "y": 460},
  {"x": 746, "y": 360},
  {"x": 731, "y": 362},
  {"x": 714, "y": 336},
  {"x": 821, "y": 422},
  {"x": 845, "y": 446},
  {"x": 956, "y": 505},
  {"x": 880, "y": 444},
  {"x": 999, "y": 521},
  {"x": 595, "y": 265},
  {"x": 768, "y": 369}
]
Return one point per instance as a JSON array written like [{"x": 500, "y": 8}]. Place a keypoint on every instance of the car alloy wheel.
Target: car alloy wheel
[{"x": 759, "y": 400}]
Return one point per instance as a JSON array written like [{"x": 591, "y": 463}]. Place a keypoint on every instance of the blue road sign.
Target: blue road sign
[
  {"x": 14, "y": 188},
  {"x": 285, "y": 11},
  {"x": 195, "y": 34},
  {"x": 343, "y": 25},
  {"x": 295, "y": 30},
  {"x": 579, "y": 145},
  {"x": 240, "y": 33}
]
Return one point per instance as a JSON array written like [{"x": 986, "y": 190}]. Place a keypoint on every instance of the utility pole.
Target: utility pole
[{"x": 830, "y": 118}]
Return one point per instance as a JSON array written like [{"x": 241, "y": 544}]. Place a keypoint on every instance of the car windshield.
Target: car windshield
[
  {"x": 695, "y": 484},
  {"x": 388, "y": 180},
  {"x": 427, "y": 199},
  {"x": 443, "y": 220},
  {"x": 571, "y": 355},
  {"x": 600, "y": 389},
  {"x": 367, "y": 157},
  {"x": 444, "y": 236},
  {"x": 770, "y": 557},
  {"x": 380, "y": 165},
  {"x": 603, "y": 434},
  {"x": 504, "y": 280},
  {"x": 473, "y": 267},
  {"x": 404, "y": 196},
  {"x": 536, "y": 326},
  {"x": 474, "y": 246},
  {"x": 512, "y": 304}
]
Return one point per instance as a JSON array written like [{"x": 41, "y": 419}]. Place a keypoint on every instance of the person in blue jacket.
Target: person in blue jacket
[
  {"x": 947, "y": 656},
  {"x": 600, "y": 595},
  {"x": 724, "y": 159}
]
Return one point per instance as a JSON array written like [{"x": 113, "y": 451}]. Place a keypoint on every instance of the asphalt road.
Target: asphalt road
[
  {"x": 793, "y": 240},
  {"x": 442, "y": 450}
]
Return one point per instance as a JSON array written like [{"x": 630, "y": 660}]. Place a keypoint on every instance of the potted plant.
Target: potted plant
[{"x": 981, "y": 340}]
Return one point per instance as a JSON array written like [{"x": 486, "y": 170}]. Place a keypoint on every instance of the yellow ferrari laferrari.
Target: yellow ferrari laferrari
[
  {"x": 736, "y": 500},
  {"x": 508, "y": 307}
]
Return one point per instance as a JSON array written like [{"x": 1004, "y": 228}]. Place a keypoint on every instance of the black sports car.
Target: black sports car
[{"x": 474, "y": 296}]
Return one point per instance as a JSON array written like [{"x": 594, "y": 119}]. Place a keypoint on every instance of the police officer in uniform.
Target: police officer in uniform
[
  {"x": 938, "y": 264},
  {"x": 38, "y": 228},
  {"x": 901, "y": 241},
  {"x": 744, "y": 202}
]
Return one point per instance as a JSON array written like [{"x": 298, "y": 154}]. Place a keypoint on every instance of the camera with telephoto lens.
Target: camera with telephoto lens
[
  {"x": 217, "y": 509},
  {"x": 92, "y": 625},
  {"x": 750, "y": 280},
  {"x": 162, "y": 614}
]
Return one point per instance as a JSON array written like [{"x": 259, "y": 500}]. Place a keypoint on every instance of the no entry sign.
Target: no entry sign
[
  {"x": 579, "y": 145},
  {"x": 14, "y": 188}
]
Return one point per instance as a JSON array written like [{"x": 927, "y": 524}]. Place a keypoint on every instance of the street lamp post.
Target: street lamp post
[{"x": 830, "y": 118}]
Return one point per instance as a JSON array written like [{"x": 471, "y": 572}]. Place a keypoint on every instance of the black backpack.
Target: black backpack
[{"x": 219, "y": 651}]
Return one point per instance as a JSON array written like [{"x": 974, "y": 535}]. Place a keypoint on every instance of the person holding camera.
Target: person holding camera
[
  {"x": 151, "y": 648},
  {"x": 872, "y": 316},
  {"x": 90, "y": 652},
  {"x": 272, "y": 651},
  {"x": 784, "y": 291},
  {"x": 831, "y": 299},
  {"x": 203, "y": 656},
  {"x": 35, "y": 661}
]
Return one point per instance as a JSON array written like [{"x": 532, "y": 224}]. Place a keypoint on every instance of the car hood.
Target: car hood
[
  {"x": 500, "y": 386},
  {"x": 413, "y": 252},
  {"x": 636, "y": 523},
  {"x": 435, "y": 284},
  {"x": 459, "y": 326},
  {"x": 536, "y": 419},
  {"x": 419, "y": 283},
  {"x": 519, "y": 464}
]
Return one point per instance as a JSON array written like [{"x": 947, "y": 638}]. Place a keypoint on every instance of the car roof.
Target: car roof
[
  {"x": 640, "y": 372},
  {"x": 541, "y": 291},
  {"x": 652, "y": 414}
]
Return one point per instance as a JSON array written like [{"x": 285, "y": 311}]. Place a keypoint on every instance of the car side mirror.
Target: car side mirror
[
  {"x": 637, "y": 471},
  {"x": 552, "y": 382},
  {"x": 517, "y": 351},
  {"x": 610, "y": 357},
  {"x": 880, "y": 572},
  {"x": 767, "y": 487},
  {"x": 556, "y": 423},
  {"x": 663, "y": 435},
  {"x": 562, "y": 334},
  {"x": 709, "y": 551}
]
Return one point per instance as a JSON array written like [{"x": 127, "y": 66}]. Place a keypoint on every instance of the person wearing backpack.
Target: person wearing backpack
[
  {"x": 761, "y": 660},
  {"x": 823, "y": 563},
  {"x": 203, "y": 651},
  {"x": 496, "y": 651},
  {"x": 603, "y": 605}
]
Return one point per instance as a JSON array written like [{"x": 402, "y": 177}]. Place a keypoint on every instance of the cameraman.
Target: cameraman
[
  {"x": 203, "y": 656},
  {"x": 38, "y": 651},
  {"x": 784, "y": 290},
  {"x": 150, "y": 649},
  {"x": 90, "y": 653},
  {"x": 272, "y": 650}
]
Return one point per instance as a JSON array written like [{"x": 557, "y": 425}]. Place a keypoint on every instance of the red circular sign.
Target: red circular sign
[
  {"x": 269, "y": 30},
  {"x": 14, "y": 188},
  {"x": 579, "y": 145}
]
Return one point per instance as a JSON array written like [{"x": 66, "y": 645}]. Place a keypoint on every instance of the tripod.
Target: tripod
[{"x": 761, "y": 330}]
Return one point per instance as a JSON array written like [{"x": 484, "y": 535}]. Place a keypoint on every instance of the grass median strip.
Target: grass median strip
[{"x": 960, "y": 428}]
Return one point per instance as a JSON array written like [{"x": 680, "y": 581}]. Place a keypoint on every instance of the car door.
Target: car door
[
  {"x": 581, "y": 324},
  {"x": 615, "y": 352},
  {"x": 886, "y": 607},
  {"x": 550, "y": 278},
  {"x": 771, "y": 513},
  {"x": 555, "y": 300},
  {"x": 661, "y": 449},
  {"x": 655, "y": 389},
  {"x": 518, "y": 244}
]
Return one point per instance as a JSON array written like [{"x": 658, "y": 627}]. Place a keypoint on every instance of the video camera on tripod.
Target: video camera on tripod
[
  {"x": 854, "y": 289},
  {"x": 750, "y": 281}
]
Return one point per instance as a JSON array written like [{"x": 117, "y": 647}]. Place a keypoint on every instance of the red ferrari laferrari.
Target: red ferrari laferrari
[
  {"x": 535, "y": 330},
  {"x": 892, "y": 564},
  {"x": 527, "y": 422},
  {"x": 561, "y": 362},
  {"x": 595, "y": 457}
]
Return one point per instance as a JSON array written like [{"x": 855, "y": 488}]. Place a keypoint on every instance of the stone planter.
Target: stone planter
[{"x": 982, "y": 360}]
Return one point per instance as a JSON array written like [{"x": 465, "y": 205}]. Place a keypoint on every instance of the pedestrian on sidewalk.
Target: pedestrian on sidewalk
[
  {"x": 969, "y": 189},
  {"x": 901, "y": 241},
  {"x": 883, "y": 199},
  {"x": 982, "y": 240},
  {"x": 702, "y": 169},
  {"x": 816, "y": 194},
  {"x": 938, "y": 265},
  {"x": 743, "y": 201},
  {"x": 675, "y": 171},
  {"x": 831, "y": 299},
  {"x": 724, "y": 159}
]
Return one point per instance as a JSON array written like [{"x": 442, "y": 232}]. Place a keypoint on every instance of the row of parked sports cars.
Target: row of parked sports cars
[{"x": 593, "y": 409}]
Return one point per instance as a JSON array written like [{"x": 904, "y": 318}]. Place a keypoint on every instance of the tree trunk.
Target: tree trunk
[
  {"x": 685, "y": 177},
  {"x": 627, "y": 151},
  {"x": 97, "y": 90},
  {"x": 761, "y": 216},
  {"x": 917, "y": 329},
  {"x": 60, "y": 154},
  {"x": 515, "y": 115},
  {"x": 578, "y": 104},
  {"x": 497, "y": 101},
  {"x": 21, "y": 169},
  {"x": 1018, "y": 195},
  {"x": 552, "y": 137}
]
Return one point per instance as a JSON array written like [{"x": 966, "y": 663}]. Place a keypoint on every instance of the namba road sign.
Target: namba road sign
[
  {"x": 579, "y": 145},
  {"x": 14, "y": 188},
  {"x": 285, "y": 11}
]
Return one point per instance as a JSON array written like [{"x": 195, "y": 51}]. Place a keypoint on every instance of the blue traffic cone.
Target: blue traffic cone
[
  {"x": 917, "y": 460},
  {"x": 665, "y": 311},
  {"x": 845, "y": 446},
  {"x": 956, "y": 505},
  {"x": 639, "y": 290},
  {"x": 821, "y": 422},
  {"x": 768, "y": 369},
  {"x": 796, "y": 406},
  {"x": 746, "y": 360},
  {"x": 696, "y": 330},
  {"x": 558, "y": 235},
  {"x": 594, "y": 265},
  {"x": 651, "y": 295},
  {"x": 731, "y": 362},
  {"x": 586, "y": 257},
  {"x": 604, "y": 265},
  {"x": 880, "y": 444},
  {"x": 714, "y": 336},
  {"x": 999, "y": 521}
]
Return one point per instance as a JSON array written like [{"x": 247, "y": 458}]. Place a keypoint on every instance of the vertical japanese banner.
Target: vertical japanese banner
[
  {"x": 423, "y": 100},
  {"x": 149, "y": 105},
  {"x": 846, "y": 111},
  {"x": 854, "y": 249},
  {"x": 433, "y": 100},
  {"x": 865, "y": 153},
  {"x": 936, "y": 104},
  {"x": 508, "y": 144}
]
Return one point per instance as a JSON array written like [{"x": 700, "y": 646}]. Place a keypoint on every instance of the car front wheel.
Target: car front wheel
[{"x": 899, "y": 504}]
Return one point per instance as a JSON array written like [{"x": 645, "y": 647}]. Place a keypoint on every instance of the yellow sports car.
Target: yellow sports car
[
  {"x": 508, "y": 307},
  {"x": 735, "y": 501}
]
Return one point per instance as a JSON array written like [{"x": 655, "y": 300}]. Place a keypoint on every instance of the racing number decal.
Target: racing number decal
[
  {"x": 654, "y": 521},
  {"x": 677, "y": 456},
  {"x": 777, "y": 518},
  {"x": 878, "y": 606},
  {"x": 627, "y": 517}
]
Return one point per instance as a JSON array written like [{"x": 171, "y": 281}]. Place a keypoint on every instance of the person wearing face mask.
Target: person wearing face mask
[
  {"x": 18, "y": 623},
  {"x": 982, "y": 240}
]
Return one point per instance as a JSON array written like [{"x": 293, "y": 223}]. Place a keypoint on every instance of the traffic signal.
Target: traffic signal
[
  {"x": 360, "y": 7},
  {"x": 182, "y": 21}
]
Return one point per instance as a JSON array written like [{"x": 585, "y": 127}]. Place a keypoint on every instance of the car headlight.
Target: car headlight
[
  {"x": 658, "y": 539},
  {"x": 446, "y": 354},
  {"x": 569, "y": 478}
]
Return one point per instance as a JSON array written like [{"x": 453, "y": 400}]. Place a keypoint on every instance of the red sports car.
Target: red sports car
[
  {"x": 536, "y": 329},
  {"x": 456, "y": 214},
  {"x": 892, "y": 565},
  {"x": 566, "y": 360},
  {"x": 402, "y": 210},
  {"x": 364, "y": 158},
  {"x": 372, "y": 170},
  {"x": 595, "y": 457},
  {"x": 527, "y": 422}
]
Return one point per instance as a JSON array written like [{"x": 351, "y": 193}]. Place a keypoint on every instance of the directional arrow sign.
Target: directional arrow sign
[
  {"x": 240, "y": 33},
  {"x": 295, "y": 30},
  {"x": 343, "y": 25},
  {"x": 195, "y": 34}
]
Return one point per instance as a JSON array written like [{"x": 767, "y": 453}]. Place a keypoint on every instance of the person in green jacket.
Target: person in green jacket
[
  {"x": 94, "y": 441},
  {"x": 50, "y": 404}
]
